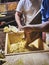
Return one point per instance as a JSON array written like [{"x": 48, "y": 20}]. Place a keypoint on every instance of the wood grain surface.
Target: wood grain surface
[{"x": 28, "y": 59}]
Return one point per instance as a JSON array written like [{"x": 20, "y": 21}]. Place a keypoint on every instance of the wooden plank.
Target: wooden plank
[
  {"x": 6, "y": 43},
  {"x": 29, "y": 59}
]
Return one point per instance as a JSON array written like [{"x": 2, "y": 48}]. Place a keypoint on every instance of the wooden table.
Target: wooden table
[{"x": 33, "y": 58}]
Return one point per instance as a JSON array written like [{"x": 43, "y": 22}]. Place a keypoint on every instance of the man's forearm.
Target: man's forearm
[
  {"x": 17, "y": 18},
  {"x": 36, "y": 27},
  {"x": 40, "y": 27}
]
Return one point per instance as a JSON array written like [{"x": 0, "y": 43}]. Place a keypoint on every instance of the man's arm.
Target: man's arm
[
  {"x": 19, "y": 10},
  {"x": 42, "y": 27},
  {"x": 38, "y": 27},
  {"x": 17, "y": 18}
]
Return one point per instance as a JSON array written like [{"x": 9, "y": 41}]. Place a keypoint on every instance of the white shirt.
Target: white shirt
[{"x": 30, "y": 11}]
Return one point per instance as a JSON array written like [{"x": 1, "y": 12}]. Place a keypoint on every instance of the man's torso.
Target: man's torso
[{"x": 30, "y": 8}]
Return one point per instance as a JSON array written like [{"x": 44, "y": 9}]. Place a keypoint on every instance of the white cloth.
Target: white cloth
[{"x": 30, "y": 11}]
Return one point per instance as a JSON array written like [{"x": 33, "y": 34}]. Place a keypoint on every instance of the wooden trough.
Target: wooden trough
[{"x": 15, "y": 38}]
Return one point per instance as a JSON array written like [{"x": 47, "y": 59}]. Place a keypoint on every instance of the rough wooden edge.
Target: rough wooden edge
[
  {"x": 6, "y": 43},
  {"x": 30, "y": 52}
]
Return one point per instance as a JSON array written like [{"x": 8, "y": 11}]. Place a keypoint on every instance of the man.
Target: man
[{"x": 29, "y": 8}]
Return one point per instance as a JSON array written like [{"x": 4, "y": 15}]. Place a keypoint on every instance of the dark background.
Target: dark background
[{"x": 2, "y": 1}]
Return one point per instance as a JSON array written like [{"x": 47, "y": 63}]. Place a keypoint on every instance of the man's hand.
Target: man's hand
[{"x": 20, "y": 27}]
